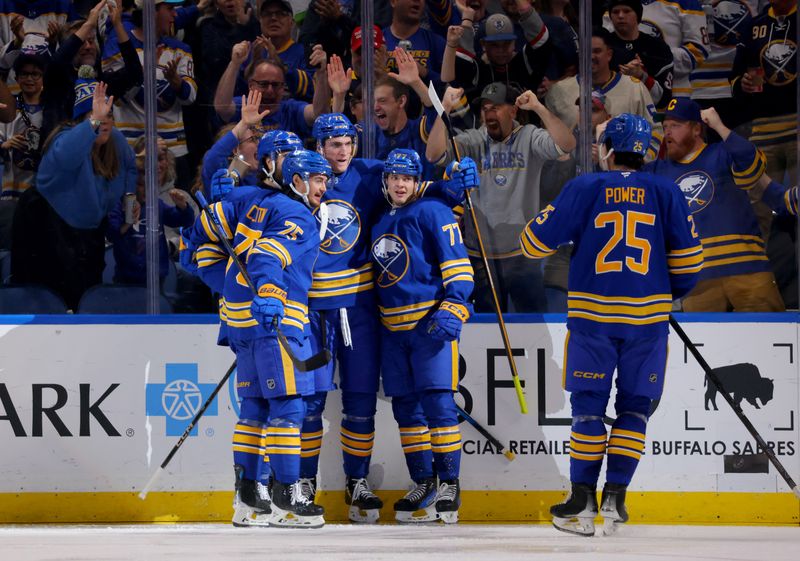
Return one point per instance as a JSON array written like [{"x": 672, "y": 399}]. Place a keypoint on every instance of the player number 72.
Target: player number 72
[{"x": 624, "y": 228}]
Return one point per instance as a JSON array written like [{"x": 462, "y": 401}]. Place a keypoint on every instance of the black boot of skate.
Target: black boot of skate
[
  {"x": 291, "y": 508},
  {"x": 612, "y": 507},
  {"x": 364, "y": 504},
  {"x": 576, "y": 515},
  {"x": 421, "y": 498},
  {"x": 448, "y": 500},
  {"x": 251, "y": 503}
]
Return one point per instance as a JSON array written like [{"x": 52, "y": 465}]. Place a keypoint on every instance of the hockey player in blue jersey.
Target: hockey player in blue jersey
[
  {"x": 636, "y": 250},
  {"x": 343, "y": 314},
  {"x": 424, "y": 280},
  {"x": 278, "y": 239}
]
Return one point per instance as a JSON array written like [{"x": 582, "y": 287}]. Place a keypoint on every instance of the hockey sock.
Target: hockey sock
[
  {"x": 588, "y": 437},
  {"x": 442, "y": 415},
  {"x": 283, "y": 437},
  {"x": 311, "y": 435},
  {"x": 627, "y": 438},
  {"x": 415, "y": 438},
  {"x": 357, "y": 432},
  {"x": 247, "y": 442}
]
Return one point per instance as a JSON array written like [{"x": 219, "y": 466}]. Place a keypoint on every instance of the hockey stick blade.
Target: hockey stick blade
[
  {"x": 311, "y": 363},
  {"x": 486, "y": 434},
  {"x": 150, "y": 483}
]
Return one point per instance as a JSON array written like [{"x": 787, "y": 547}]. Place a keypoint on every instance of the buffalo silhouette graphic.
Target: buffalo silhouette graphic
[{"x": 741, "y": 381}]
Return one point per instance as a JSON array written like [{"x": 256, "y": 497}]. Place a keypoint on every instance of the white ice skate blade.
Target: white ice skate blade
[
  {"x": 422, "y": 516},
  {"x": 361, "y": 516},
  {"x": 449, "y": 517},
  {"x": 245, "y": 517},
  {"x": 286, "y": 519},
  {"x": 611, "y": 526},
  {"x": 578, "y": 526}
]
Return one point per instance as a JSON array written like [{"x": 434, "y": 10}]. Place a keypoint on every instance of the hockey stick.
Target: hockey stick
[
  {"x": 714, "y": 379},
  {"x": 312, "y": 363},
  {"x": 437, "y": 104},
  {"x": 185, "y": 435},
  {"x": 486, "y": 434}
]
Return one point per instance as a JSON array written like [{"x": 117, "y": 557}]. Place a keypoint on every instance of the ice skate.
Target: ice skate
[
  {"x": 448, "y": 500},
  {"x": 291, "y": 508},
  {"x": 309, "y": 487},
  {"x": 419, "y": 504},
  {"x": 612, "y": 508},
  {"x": 251, "y": 503},
  {"x": 364, "y": 504},
  {"x": 576, "y": 515}
]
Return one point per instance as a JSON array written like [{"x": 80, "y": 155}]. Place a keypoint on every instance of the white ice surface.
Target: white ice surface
[{"x": 201, "y": 542}]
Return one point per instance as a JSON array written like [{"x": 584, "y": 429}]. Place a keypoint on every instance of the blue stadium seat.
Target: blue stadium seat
[
  {"x": 5, "y": 265},
  {"x": 30, "y": 299},
  {"x": 111, "y": 264},
  {"x": 118, "y": 299}
]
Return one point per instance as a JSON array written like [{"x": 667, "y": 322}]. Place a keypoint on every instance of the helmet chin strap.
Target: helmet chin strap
[
  {"x": 303, "y": 196},
  {"x": 270, "y": 174},
  {"x": 604, "y": 157}
]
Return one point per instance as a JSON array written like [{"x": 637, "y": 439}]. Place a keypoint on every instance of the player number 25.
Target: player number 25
[{"x": 623, "y": 229}]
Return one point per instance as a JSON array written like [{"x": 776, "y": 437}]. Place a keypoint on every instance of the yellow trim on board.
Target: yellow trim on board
[{"x": 477, "y": 506}]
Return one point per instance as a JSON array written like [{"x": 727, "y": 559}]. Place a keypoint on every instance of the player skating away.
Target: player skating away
[
  {"x": 343, "y": 314},
  {"x": 424, "y": 279},
  {"x": 278, "y": 239},
  {"x": 635, "y": 251}
]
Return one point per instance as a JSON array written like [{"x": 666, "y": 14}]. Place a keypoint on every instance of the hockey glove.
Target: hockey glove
[
  {"x": 445, "y": 323},
  {"x": 462, "y": 176},
  {"x": 221, "y": 184},
  {"x": 267, "y": 307},
  {"x": 186, "y": 254}
]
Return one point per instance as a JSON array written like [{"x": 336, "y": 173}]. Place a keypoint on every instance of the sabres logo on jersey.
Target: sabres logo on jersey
[
  {"x": 651, "y": 28},
  {"x": 391, "y": 255},
  {"x": 165, "y": 95},
  {"x": 731, "y": 19},
  {"x": 344, "y": 227},
  {"x": 698, "y": 188},
  {"x": 780, "y": 67}
]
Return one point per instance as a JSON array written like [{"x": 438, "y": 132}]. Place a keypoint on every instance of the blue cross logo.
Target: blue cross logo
[{"x": 179, "y": 398}]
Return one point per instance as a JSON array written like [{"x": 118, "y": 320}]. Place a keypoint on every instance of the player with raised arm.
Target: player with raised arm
[
  {"x": 636, "y": 250},
  {"x": 424, "y": 280}
]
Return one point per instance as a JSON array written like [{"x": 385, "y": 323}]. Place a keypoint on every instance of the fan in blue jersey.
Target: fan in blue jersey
[
  {"x": 635, "y": 251},
  {"x": 278, "y": 239},
  {"x": 343, "y": 315},
  {"x": 424, "y": 280}
]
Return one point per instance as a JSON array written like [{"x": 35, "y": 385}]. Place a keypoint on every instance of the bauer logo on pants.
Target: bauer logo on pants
[{"x": 179, "y": 398}]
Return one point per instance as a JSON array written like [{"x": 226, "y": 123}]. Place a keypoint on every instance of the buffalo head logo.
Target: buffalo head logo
[
  {"x": 698, "y": 188},
  {"x": 741, "y": 381},
  {"x": 731, "y": 19},
  {"x": 779, "y": 63},
  {"x": 391, "y": 256},
  {"x": 344, "y": 227}
]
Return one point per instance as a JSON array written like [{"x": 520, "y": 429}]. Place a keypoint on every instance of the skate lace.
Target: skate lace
[
  {"x": 417, "y": 493},
  {"x": 446, "y": 492},
  {"x": 262, "y": 490},
  {"x": 361, "y": 490},
  {"x": 298, "y": 493},
  {"x": 307, "y": 485}
]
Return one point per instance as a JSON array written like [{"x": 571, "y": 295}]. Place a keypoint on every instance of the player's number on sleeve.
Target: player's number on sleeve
[
  {"x": 623, "y": 229},
  {"x": 454, "y": 232},
  {"x": 292, "y": 230}
]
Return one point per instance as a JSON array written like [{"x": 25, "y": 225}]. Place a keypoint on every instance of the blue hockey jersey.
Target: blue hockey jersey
[
  {"x": 343, "y": 274},
  {"x": 420, "y": 259},
  {"x": 278, "y": 239},
  {"x": 715, "y": 182},
  {"x": 635, "y": 250}
]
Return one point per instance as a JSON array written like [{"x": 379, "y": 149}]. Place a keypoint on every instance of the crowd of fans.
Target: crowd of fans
[{"x": 73, "y": 106}]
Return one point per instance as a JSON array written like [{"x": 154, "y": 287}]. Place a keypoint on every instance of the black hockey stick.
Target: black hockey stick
[
  {"x": 437, "y": 104},
  {"x": 185, "y": 435},
  {"x": 714, "y": 379},
  {"x": 312, "y": 363},
  {"x": 486, "y": 434}
]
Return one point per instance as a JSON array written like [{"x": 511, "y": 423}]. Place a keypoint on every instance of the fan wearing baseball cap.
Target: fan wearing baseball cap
[
  {"x": 715, "y": 179},
  {"x": 525, "y": 68}
]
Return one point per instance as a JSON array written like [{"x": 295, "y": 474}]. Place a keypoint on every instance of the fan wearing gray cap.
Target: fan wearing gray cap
[
  {"x": 500, "y": 62},
  {"x": 510, "y": 157}
]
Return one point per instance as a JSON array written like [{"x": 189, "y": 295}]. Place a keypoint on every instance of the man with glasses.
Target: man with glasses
[
  {"x": 510, "y": 157},
  {"x": 268, "y": 78}
]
